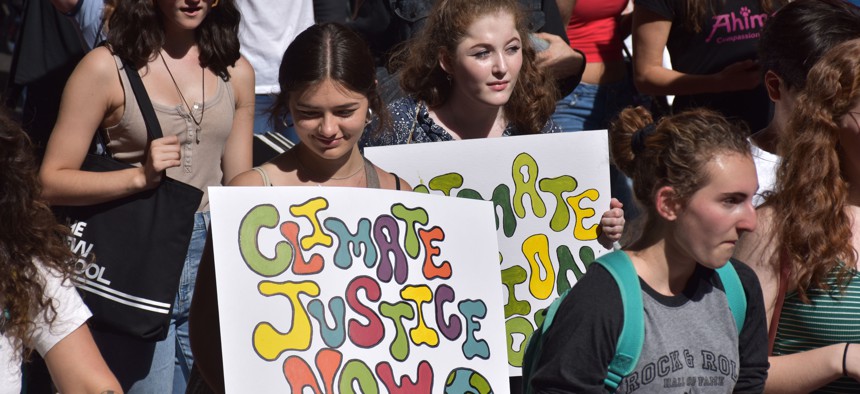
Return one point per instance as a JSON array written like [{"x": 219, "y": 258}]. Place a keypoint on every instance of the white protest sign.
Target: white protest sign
[
  {"x": 342, "y": 290},
  {"x": 548, "y": 191}
]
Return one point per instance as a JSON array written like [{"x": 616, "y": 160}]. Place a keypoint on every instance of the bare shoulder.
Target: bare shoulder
[
  {"x": 242, "y": 74},
  {"x": 98, "y": 63},
  {"x": 248, "y": 178},
  {"x": 388, "y": 180}
]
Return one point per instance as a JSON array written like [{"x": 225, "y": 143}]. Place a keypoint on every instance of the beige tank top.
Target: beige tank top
[{"x": 200, "y": 152}]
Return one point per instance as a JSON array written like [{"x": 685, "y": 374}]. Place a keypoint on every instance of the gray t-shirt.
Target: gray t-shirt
[{"x": 691, "y": 341}]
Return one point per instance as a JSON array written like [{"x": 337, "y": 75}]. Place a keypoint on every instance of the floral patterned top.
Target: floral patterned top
[{"x": 410, "y": 128}]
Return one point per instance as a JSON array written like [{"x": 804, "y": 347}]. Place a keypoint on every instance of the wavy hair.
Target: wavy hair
[
  {"x": 535, "y": 93},
  {"x": 29, "y": 234},
  {"x": 328, "y": 51},
  {"x": 675, "y": 153},
  {"x": 811, "y": 225},
  {"x": 136, "y": 34}
]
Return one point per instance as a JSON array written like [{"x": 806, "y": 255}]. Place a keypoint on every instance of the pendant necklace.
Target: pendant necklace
[
  {"x": 331, "y": 178},
  {"x": 181, "y": 96}
]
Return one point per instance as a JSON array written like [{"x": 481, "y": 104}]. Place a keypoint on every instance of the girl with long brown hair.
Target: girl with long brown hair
[
  {"x": 470, "y": 73},
  {"x": 187, "y": 54},
  {"x": 39, "y": 307},
  {"x": 805, "y": 250}
]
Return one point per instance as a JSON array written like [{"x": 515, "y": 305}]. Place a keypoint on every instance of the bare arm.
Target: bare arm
[
  {"x": 560, "y": 58},
  {"x": 77, "y": 366},
  {"x": 800, "y": 372},
  {"x": 237, "y": 154},
  {"x": 565, "y": 9},
  {"x": 83, "y": 109},
  {"x": 650, "y": 34}
]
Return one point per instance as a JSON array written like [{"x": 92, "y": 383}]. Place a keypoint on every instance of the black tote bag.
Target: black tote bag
[{"x": 130, "y": 251}]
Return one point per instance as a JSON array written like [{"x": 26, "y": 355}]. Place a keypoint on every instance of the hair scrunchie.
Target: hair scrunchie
[{"x": 637, "y": 143}]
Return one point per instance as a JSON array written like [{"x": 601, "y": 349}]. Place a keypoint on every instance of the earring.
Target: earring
[
  {"x": 449, "y": 78},
  {"x": 214, "y": 3},
  {"x": 369, "y": 116}
]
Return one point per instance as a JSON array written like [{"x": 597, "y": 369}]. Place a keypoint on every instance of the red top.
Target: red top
[{"x": 592, "y": 29}]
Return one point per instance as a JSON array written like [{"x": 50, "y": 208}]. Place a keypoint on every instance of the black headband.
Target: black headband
[{"x": 637, "y": 143}]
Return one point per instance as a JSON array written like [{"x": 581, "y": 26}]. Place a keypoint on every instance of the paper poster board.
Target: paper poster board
[
  {"x": 357, "y": 290},
  {"x": 548, "y": 193}
]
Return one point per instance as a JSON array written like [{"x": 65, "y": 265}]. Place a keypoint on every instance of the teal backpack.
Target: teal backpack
[{"x": 633, "y": 333}]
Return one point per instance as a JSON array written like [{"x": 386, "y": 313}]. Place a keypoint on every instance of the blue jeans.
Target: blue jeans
[
  {"x": 145, "y": 367},
  {"x": 263, "y": 123},
  {"x": 592, "y": 107}
]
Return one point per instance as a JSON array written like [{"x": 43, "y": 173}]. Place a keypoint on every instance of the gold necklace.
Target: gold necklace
[
  {"x": 331, "y": 178},
  {"x": 181, "y": 96}
]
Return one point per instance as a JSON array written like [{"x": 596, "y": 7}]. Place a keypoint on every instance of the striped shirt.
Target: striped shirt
[{"x": 831, "y": 317}]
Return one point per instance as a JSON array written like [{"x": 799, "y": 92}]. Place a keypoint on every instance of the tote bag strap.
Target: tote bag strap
[{"x": 153, "y": 128}]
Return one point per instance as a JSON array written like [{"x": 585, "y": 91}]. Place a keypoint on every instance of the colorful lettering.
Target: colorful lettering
[
  {"x": 268, "y": 342},
  {"x": 262, "y": 216},
  {"x": 579, "y": 232},
  {"x": 431, "y": 270},
  {"x": 411, "y": 217},
  {"x": 361, "y": 238},
  {"x": 473, "y": 347},
  {"x": 536, "y": 251},
  {"x": 421, "y": 334},
  {"x": 526, "y": 185},
  {"x": 310, "y": 210},
  {"x": 370, "y": 334}
]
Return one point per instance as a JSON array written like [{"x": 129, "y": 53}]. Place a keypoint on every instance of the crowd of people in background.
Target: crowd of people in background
[{"x": 753, "y": 164}]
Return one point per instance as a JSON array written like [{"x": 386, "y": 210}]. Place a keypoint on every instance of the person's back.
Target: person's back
[{"x": 805, "y": 253}]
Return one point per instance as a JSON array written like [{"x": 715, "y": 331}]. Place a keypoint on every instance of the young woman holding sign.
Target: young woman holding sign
[
  {"x": 471, "y": 73},
  {"x": 694, "y": 175},
  {"x": 328, "y": 85}
]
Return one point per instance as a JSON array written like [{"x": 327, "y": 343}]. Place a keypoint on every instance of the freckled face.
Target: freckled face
[
  {"x": 186, "y": 14},
  {"x": 487, "y": 62},
  {"x": 715, "y": 216},
  {"x": 329, "y": 118}
]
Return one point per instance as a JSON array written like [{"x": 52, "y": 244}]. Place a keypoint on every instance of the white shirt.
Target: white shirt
[
  {"x": 267, "y": 28},
  {"x": 71, "y": 314},
  {"x": 766, "y": 165}
]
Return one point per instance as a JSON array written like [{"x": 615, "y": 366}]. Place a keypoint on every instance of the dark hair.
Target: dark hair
[
  {"x": 674, "y": 153},
  {"x": 801, "y": 32},
  {"x": 29, "y": 235},
  {"x": 811, "y": 224},
  {"x": 698, "y": 11},
  {"x": 328, "y": 51},
  {"x": 136, "y": 34},
  {"x": 535, "y": 93}
]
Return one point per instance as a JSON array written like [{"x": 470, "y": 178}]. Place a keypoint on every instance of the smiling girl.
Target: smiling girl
[
  {"x": 694, "y": 177},
  {"x": 187, "y": 54},
  {"x": 328, "y": 84}
]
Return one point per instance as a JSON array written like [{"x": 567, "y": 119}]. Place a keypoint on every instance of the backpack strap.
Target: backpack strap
[
  {"x": 535, "y": 342},
  {"x": 632, "y": 336},
  {"x": 734, "y": 292}
]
